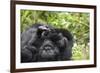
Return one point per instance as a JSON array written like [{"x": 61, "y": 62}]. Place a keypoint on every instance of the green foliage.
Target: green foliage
[{"x": 77, "y": 23}]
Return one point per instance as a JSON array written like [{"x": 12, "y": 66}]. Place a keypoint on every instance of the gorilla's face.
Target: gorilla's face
[{"x": 48, "y": 51}]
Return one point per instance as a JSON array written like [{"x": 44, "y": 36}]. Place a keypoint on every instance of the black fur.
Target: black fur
[{"x": 45, "y": 43}]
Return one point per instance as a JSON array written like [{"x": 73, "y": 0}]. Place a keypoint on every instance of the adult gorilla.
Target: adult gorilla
[{"x": 45, "y": 43}]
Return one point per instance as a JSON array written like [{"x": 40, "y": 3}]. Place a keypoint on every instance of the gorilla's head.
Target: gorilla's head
[
  {"x": 48, "y": 51},
  {"x": 52, "y": 45}
]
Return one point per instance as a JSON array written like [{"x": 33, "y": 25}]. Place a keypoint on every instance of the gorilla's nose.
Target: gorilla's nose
[{"x": 47, "y": 47}]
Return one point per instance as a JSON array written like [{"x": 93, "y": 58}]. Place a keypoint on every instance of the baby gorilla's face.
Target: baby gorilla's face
[{"x": 48, "y": 51}]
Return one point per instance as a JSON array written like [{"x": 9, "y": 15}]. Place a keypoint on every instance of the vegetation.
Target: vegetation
[{"x": 77, "y": 23}]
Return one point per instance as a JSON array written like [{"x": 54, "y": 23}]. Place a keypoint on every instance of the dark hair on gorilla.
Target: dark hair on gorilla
[{"x": 41, "y": 43}]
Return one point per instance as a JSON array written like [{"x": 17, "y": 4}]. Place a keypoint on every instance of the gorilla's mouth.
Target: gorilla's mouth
[{"x": 47, "y": 52}]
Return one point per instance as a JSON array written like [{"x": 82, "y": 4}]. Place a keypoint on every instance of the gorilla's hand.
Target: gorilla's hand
[
  {"x": 28, "y": 53},
  {"x": 43, "y": 31},
  {"x": 63, "y": 41}
]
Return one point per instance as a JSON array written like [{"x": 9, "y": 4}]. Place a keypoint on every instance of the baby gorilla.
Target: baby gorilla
[{"x": 42, "y": 43}]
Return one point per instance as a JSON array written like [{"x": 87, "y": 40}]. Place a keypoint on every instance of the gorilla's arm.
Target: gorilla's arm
[
  {"x": 66, "y": 41},
  {"x": 26, "y": 55}
]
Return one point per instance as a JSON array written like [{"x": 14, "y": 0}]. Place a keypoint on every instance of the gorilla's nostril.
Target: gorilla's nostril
[{"x": 47, "y": 47}]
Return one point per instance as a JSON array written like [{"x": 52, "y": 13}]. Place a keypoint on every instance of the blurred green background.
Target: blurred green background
[{"x": 77, "y": 23}]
